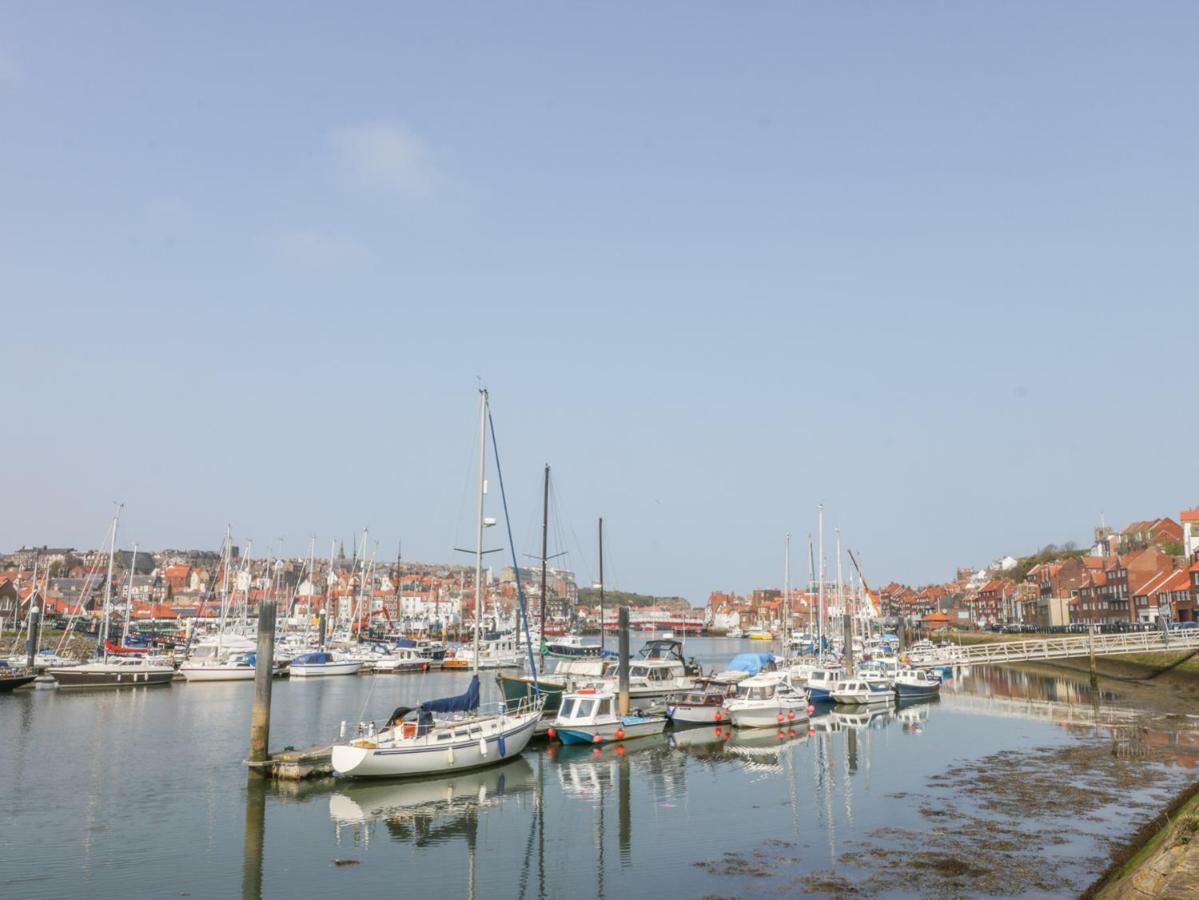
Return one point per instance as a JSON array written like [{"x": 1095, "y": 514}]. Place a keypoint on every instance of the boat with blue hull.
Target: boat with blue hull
[
  {"x": 588, "y": 716},
  {"x": 913, "y": 684}
]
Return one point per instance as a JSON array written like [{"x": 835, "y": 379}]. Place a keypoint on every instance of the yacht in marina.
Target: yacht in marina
[{"x": 439, "y": 736}]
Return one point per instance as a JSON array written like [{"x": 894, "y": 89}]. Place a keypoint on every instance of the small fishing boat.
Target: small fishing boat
[
  {"x": 13, "y": 677},
  {"x": 760, "y": 634},
  {"x": 443, "y": 735},
  {"x": 821, "y": 683},
  {"x": 916, "y": 683},
  {"x": 588, "y": 716},
  {"x": 765, "y": 701},
  {"x": 699, "y": 707},
  {"x": 860, "y": 692},
  {"x": 320, "y": 664}
]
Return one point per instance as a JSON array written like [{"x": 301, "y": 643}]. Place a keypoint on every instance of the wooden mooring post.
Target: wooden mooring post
[
  {"x": 260, "y": 719},
  {"x": 623, "y": 670}
]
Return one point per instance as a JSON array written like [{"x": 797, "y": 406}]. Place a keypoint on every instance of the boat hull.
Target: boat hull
[
  {"x": 697, "y": 715},
  {"x": 432, "y": 759},
  {"x": 518, "y": 690},
  {"x": 82, "y": 676},
  {"x": 912, "y": 692},
  {"x": 324, "y": 670},
  {"x": 217, "y": 673},
  {"x": 631, "y": 727},
  {"x": 857, "y": 698},
  {"x": 767, "y": 716},
  {"x": 12, "y": 682}
]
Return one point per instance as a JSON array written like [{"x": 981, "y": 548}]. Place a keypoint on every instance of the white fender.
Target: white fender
[{"x": 483, "y": 746}]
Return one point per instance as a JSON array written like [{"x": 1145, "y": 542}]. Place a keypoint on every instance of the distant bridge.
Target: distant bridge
[{"x": 1060, "y": 648}]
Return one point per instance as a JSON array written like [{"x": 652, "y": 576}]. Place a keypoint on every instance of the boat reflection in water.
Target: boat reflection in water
[{"x": 428, "y": 810}]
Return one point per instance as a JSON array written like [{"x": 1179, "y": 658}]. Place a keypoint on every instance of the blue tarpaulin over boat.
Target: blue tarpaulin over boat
[
  {"x": 752, "y": 663},
  {"x": 312, "y": 659},
  {"x": 462, "y": 703}
]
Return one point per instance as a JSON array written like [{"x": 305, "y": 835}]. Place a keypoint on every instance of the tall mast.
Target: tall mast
[
  {"x": 601, "y": 574},
  {"x": 820, "y": 588},
  {"x": 112, "y": 551},
  {"x": 220, "y": 634},
  {"x": 479, "y": 536},
  {"x": 545, "y": 536},
  {"x": 786, "y": 593},
  {"x": 811, "y": 586},
  {"x": 846, "y": 625},
  {"x": 129, "y": 601}
]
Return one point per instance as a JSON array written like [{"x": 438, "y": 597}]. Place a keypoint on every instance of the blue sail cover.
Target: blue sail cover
[
  {"x": 462, "y": 703},
  {"x": 750, "y": 662}
]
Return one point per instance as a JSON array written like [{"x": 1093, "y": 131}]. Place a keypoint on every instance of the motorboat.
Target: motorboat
[
  {"x": 734, "y": 633},
  {"x": 742, "y": 666},
  {"x": 916, "y": 683},
  {"x": 568, "y": 674},
  {"x": 703, "y": 706},
  {"x": 496, "y": 651},
  {"x": 880, "y": 672},
  {"x": 590, "y": 716},
  {"x": 821, "y": 682},
  {"x": 658, "y": 670},
  {"x": 860, "y": 692},
  {"x": 571, "y": 646},
  {"x": 322, "y": 664},
  {"x": 765, "y": 701},
  {"x": 760, "y": 634},
  {"x": 444, "y": 735},
  {"x": 123, "y": 671}
]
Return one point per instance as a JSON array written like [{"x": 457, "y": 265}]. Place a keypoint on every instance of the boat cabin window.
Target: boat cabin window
[
  {"x": 605, "y": 706},
  {"x": 638, "y": 672},
  {"x": 585, "y": 708},
  {"x": 760, "y": 693},
  {"x": 568, "y": 707}
]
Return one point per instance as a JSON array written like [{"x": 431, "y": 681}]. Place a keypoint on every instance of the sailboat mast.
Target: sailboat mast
[
  {"x": 129, "y": 600},
  {"x": 220, "y": 634},
  {"x": 112, "y": 552},
  {"x": 479, "y": 536},
  {"x": 545, "y": 537},
  {"x": 786, "y": 592},
  {"x": 601, "y": 582},
  {"x": 820, "y": 587}
]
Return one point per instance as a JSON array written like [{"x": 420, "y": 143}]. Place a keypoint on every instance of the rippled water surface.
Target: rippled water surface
[{"x": 1013, "y": 783}]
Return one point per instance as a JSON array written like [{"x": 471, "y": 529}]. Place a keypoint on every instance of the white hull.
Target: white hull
[
  {"x": 607, "y": 731},
  {"x": 217, "y": 673},
  {"x": 767, "y": 713},
  {"x": 862, "y": 698},
  {"x": 324, "y": 670},
  {"x": 427, "y": 756}
]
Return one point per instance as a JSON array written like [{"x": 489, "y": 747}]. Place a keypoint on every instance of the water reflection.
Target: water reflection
[{"x": 604, "y": 818}]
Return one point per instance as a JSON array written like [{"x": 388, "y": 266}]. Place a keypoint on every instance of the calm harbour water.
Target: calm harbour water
[{"x": 1012, "y": 783}]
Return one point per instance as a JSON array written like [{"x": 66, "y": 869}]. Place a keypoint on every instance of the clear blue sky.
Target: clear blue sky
[{"x": 933, "y": 264}]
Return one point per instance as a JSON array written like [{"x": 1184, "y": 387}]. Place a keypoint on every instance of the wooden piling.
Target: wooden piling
[
  {"x": 322, "y": 628},
  {"x": 35, "y": 633},
  {"x": 624, "y": 661},
  {"x": 260, "y": 720}
]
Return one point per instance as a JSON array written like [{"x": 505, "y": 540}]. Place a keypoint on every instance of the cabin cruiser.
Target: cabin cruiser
[
  {"x": 568, "y": 674},
  {"x": 396, "y": 660},
  {"x": 821, "y": 683},
  {"x": 916, "y": 683},
  {"x": 703, "y": 706},
  {"x": 590, "y": 716},
  {"x": 880, "y": 672},
  {"x": 860, "y": 692},
  {"x": 439, "y": 736},
  {"x": 766, "y": 700},
  {"x": 742, "y": 666},
  {"x": 657, "y": 671}
]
